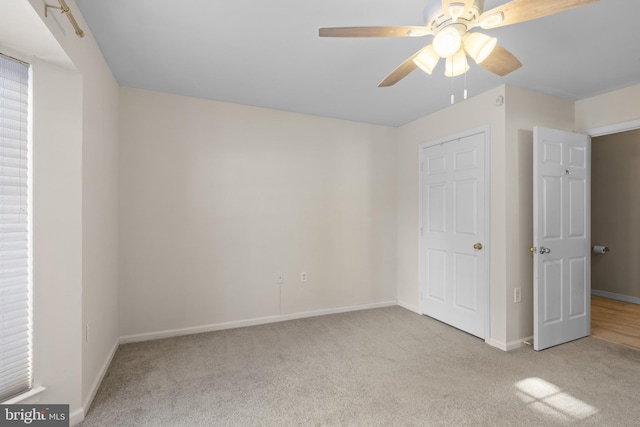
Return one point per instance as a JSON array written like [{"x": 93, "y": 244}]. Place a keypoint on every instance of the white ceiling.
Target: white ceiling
[{"x": 268, "y": 53}]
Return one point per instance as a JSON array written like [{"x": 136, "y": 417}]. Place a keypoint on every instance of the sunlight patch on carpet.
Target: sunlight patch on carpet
[{"x": 548, "y": 399}]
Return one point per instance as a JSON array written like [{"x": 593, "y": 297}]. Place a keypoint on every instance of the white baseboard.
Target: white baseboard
[
  {"x": 512, "y": 345},
  {"x": 76, "y": 417},
  {"x": 409, "y": 307},
  {"x": 619, "y": 297},
  {"x": 249, "y": 322},
  {"x": 497, "y": 344},
  {"x": 508, "y": 346},
  {"x": 96, "y": 384}
]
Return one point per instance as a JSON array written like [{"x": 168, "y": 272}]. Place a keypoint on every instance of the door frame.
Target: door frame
[
  {"x": 487, "y": 222},
  {"x": 611, "y": 129}
]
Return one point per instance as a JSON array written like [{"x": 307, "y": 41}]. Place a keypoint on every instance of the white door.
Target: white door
[
  {"x": 561, "y": 237},
  {"x": 453, "y": 246}
]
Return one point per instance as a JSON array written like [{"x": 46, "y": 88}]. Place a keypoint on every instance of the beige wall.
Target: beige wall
[
  {"x": 99, "y": 220},
  {"x": 615, "y": 213},
  {"x": 57, "y": 234},
  {"x": 619, "y": 106},
  {"x": 216, "y": 199}
]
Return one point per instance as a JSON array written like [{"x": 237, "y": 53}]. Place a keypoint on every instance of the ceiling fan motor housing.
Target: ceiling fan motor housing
[{"x": 436, "y": 18}]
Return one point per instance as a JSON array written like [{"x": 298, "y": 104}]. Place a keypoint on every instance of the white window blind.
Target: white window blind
[{"x": 15, "y": 334}]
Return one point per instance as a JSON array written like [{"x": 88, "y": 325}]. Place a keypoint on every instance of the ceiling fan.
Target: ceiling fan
[{"x": 449, "y": 21}]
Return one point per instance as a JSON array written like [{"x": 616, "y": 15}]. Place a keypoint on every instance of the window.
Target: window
[{"x": 15, "y": 301}]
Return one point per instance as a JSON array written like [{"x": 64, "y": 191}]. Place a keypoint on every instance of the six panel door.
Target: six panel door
[{"x": 453, "y": 241}]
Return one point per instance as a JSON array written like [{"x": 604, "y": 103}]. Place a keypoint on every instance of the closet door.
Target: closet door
[{"x": 453, "y": 255}]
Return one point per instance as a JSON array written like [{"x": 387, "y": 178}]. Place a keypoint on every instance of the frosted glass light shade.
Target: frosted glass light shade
[
  {"x": 479, "y": 46},
  {"x": 427, "y": 59},
  {"x": 447, "y": 42},
  {"x": 456, "y": 64}
]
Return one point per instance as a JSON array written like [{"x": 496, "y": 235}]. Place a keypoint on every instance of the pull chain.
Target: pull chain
[
  {"x": 465, "y": 85},
  {"x": 453, "y": 99}
]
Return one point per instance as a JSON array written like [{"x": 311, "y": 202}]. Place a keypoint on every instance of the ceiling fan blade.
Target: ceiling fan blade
[
  {"x": 525, "y": 10},
  {"x": 501, "y": 62},
  {"x": 414, "y": 31},
  {"x": 402, "y": 71}
]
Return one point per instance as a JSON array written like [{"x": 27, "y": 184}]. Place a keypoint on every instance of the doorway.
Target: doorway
[{"x": 615, "y": 209}]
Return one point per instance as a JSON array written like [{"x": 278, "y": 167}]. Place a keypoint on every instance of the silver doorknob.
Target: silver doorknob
[{"x": 544, "y": 250}]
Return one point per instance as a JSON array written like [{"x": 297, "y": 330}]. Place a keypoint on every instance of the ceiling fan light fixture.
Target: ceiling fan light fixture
[
  {"x": 456, "y": 65},
  {"x": 492, "y": 20},
  {"x": 447, "y": 42},
  {"x": 479, "y": 46},
  {"x": 427, "y": 59}
]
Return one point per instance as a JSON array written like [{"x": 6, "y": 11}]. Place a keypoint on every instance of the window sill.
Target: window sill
[{"x": 28, "y": 397}]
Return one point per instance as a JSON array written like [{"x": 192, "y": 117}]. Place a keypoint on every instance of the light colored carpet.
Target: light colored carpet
[{"x": 380, "y": 367}]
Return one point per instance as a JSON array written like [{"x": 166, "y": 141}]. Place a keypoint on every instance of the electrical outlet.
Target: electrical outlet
[
  {"x": 86, "y": 332},
  {"x": 517, "y": 295},
  {"x": 280, "y": 278},
  {"x": 303, "y": 276}
]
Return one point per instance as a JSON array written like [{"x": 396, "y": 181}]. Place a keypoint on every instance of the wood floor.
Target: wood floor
[{"x": 615, "y": 321}]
